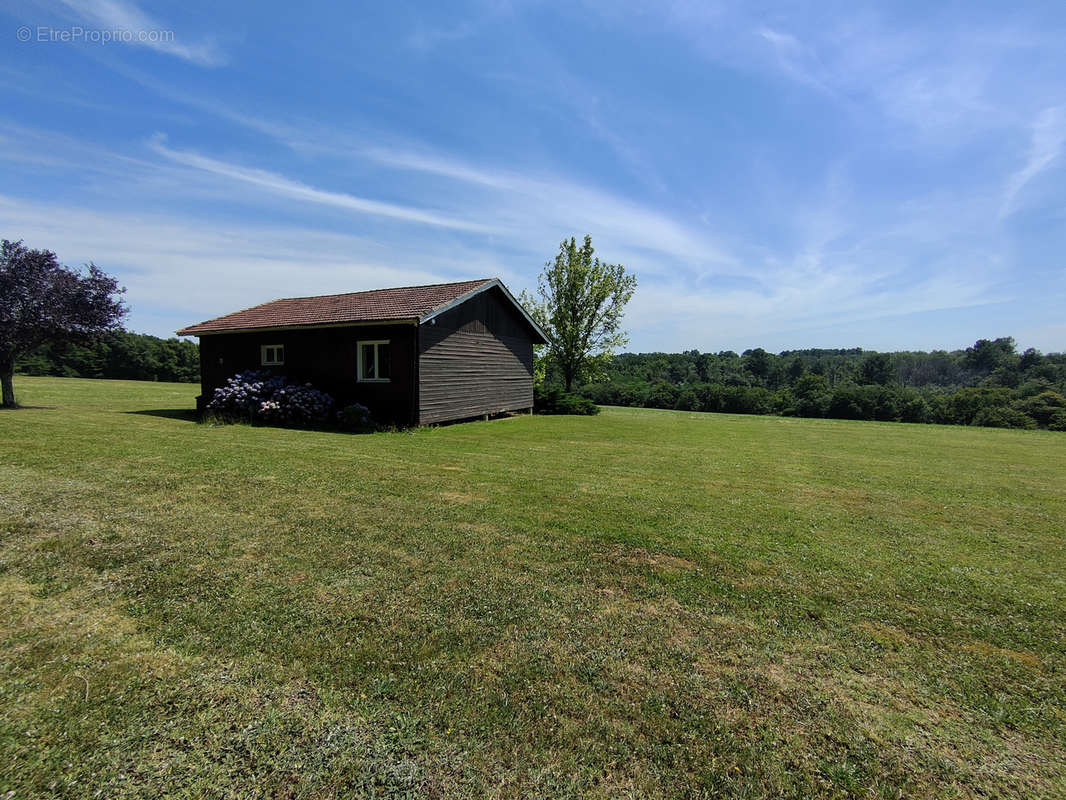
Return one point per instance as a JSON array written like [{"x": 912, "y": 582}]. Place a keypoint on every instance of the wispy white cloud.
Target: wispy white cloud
[
  {"x": 942, "y": 77},
  {"x": 544, "y": 205},
  {"x": 523, "y": 205},
  {"x": 529, "y": 205},
  {"x": 1048, "y": 137},
  {"x": 936, "y": 84},
  {"x": 179, "y": 269},
  {"x": 601, "y": 111},
  {"x": 145, "y": 31},
  {"x": 795, "y": 58},
  {"x": 666, "y": 313},
  {"x": 296, "y": 190},
  {"x": 428, "y": 34},
  {"x": 26, "y": 146}
]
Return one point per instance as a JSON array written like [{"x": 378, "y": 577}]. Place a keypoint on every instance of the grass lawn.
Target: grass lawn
[{"x": 644, "y": 603}]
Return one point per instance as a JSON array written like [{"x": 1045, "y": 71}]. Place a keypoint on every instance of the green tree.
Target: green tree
[
  {"x": 811, "y": 396},
  {"x": 1043, "y": 407},
  {"x": 986, "y": 355},
  {"x": 877, "y": 369},
  {"x": 579, "y": 303},
  {"x": 42, "y": 302},
  {"x": 757, "y": 362}
]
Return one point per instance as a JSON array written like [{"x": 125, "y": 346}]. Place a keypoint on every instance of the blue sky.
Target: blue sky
[{"x": 888, "y": 176}]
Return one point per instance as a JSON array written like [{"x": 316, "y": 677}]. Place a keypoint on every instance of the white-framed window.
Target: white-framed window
[
  {"x": 272, "y": 355},
  {"x": 374, "y": 361}
]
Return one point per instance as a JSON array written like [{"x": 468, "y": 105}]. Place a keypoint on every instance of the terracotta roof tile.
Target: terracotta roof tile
[{"x": 406, "y": 302}]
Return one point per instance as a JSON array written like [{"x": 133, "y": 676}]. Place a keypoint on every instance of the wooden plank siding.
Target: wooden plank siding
[
  {"x": 324, "y": 357},
  {"x": 475, "y": 359}
]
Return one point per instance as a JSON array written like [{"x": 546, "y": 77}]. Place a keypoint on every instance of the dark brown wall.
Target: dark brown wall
[
  {"x": 477, "y": 359},
  {"x": 325, "y": 357}
]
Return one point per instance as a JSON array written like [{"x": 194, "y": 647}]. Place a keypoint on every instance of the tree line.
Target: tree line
[
  {"x": 116, "y": 354},
  {"x": 989, "y": 384}
]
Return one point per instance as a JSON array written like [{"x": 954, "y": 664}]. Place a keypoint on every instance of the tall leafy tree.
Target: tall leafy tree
[
  {"x": 758, "y": 362},
  {"x": 877, "y": 368},
  {"x": 42, "y": 301},
  {"x": 986, "y": 355},
  {"x": 579, "y": 303}
]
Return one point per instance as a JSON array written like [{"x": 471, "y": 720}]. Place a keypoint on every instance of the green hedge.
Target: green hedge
[{"x": 556, "y": 401}]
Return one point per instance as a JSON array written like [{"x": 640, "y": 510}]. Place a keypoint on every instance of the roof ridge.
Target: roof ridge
[
  {"x": 371, "y": 291},
  {"x": 412, "y": 303}
]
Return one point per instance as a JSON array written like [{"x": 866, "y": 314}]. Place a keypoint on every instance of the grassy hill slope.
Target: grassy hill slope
[{"x": 643, "y": 603}]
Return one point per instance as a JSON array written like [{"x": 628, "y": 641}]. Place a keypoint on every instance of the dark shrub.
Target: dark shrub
[
  {"x": 938, "y": 405},
  {"x": 885, "y": 401},
  {"x": 688, "y": 400},
  {"x": 874, "y": 402},
  {"x": 1057, "y": 421},
  {"x": 782, "y": 402},
  {"x": 1003, "y": 417},
  {"x": 356, "y": 418},
  {"x": 963, "y": 406},
  {"x": 633, "y": 395},
  {"x": 1034, "y": 387},
  {"x": 662, "y": 395},
  {"x": 1041, "y": 407},
  {"x": 606, "y": 394},
  {"x": 851, "y": 402},
  {"x": 810, "y": 397},
  {"x": 912, "y": 406},
  {"x": 710, "y": 396},
  {"x": 556, "y": 401},
  {"x": 747, "y": 400}
]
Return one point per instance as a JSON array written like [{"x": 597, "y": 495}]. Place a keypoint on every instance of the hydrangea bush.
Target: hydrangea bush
[
  {"x": 261, "y": 397},
  {"x": 356, "y": 417}
]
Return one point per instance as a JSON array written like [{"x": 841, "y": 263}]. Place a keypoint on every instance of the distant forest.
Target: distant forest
[
  {"x": 989, "y": 384},
  {"x": 132, "y": 356}
]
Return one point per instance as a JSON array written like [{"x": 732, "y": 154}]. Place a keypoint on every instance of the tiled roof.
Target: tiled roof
[{"x": 406, "y": 302}]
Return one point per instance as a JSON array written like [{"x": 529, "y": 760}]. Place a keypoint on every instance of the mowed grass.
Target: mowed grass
[{"x": 643, "y": 604}]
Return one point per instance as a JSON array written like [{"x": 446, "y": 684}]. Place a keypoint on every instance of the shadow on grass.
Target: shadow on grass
[
  {"x": 28, "y": 408},
  {"x": 190, "y": 415},
  {"x": 185, "y": 414}
]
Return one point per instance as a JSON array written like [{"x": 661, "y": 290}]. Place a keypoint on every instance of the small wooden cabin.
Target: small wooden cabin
[{"x": 413, "y": 355}]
